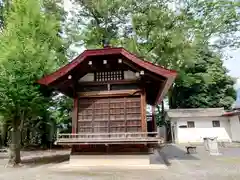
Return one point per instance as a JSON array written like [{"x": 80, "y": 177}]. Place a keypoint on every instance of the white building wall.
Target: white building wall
[
  {"x": 129, "y": 75},
  {"x": 203, "y": 128},
  {"x": 87, "y": 77},
  {"x": 235, "y": 128}
]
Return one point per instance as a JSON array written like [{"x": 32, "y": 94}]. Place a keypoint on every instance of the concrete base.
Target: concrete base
[
  {"x": 70, "y": 167},
  {"x": 108, "y": 160},
  {"x": 112, "y": 162},
  {"x": 215, "y": 154}
]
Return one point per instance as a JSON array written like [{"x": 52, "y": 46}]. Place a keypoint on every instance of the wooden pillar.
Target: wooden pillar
[
  {"x": 143, "y": 111},
  {"x": 154, "y": 125},
  {"x": 75, "y": 116},
  {"x": 75, "y": 107}
]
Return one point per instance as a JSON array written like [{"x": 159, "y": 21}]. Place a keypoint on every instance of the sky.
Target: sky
[{"x": 232, "y": 64}]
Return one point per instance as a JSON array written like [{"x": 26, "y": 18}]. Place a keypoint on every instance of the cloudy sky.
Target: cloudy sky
[{"x": 232, "y": 64}]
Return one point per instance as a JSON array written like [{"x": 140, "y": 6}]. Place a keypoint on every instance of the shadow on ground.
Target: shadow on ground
[
  {"x": 38, "y": 159},
  {"x": 162, "y": 156},
  {"x": 46, "y": 160},
  {"x": 172, "y": 151}
]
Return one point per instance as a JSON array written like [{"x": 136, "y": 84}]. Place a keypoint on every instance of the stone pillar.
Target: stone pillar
[{"x": 211, "y": 145}]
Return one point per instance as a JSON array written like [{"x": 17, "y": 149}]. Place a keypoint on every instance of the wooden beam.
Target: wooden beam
[
  {"x": 144, "y": 142},
  {"x": 109, "y": 82},
  {"x": 153, "y": 77},
  {"x": 64, "y": 83},
  {"x": 110, "y": 93},
  {"x": 143, "y": 111},
  {"x": 161, "y": 92}
]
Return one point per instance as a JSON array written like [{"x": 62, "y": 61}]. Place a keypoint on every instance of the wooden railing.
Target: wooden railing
[{"x": 109, "y": 138}]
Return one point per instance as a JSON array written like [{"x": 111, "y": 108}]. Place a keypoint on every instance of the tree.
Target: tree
[
  {"x": 99, "y": 22},
  {"x": 4, "y": 8},
  {"x": 177, "y": 34},
  {"x": 1, "y": 14},
  {"x": 1, "y": 131},
  {"x": 216, "y": 21},
  {"x": 62, "y": 112},
  {"x": 29, "y": 46},
  {"x": 170, "y": 34},
  {"x": 167, "y": 33},
  {"x": 187, "y": 36},
  {"x": 205, "y": 84}
]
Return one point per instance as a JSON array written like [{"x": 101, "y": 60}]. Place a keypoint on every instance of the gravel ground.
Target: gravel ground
[{"x": 181, "y": 166}]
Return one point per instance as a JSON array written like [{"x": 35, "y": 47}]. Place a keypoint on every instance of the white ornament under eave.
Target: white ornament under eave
[
  {"x": 137, "y": 74},
  {"x": 104, "y": 61},
  {"x": 119, "y": 61}
]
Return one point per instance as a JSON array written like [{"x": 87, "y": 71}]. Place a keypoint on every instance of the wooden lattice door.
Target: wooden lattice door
[{"x": 109, "y": 115}]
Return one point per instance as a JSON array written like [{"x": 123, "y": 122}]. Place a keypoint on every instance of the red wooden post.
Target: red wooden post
[
  {"x": 143, "y": 111},
  {"x": 75, "y": 116}
]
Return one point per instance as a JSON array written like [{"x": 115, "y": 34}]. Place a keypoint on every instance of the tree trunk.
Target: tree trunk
[
  {"x": 5, "y": 134},
  {"x": 15, "y": 158},
  {"x": 163, "y": 111},
  {"x": 21, "y": 131},
  {"x": 1, "y": 143},
  {"x": 1, "y": 135},
  {"x": 28, "y": 136},
  {"x": 171, "y": 100},
  {"x": 22, "y": 134}
]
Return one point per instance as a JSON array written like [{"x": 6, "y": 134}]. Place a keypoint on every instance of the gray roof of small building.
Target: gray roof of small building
[{"x": 195, "y": 112}]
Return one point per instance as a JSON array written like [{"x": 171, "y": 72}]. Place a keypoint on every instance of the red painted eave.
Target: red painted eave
[
  {"x": 107, "y": 51},
  {"x": 232, "y": 113},
  {"x": 149, "y": 66}
]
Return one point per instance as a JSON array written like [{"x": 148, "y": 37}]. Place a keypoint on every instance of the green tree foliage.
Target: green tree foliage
[
  {"x": 209, "y": 19},
  {"x": 4, "y": 6},
  {"x": 1, "y": 14},
  {"x": 29, "y": 46},
  {"x": 160, "y": 35},
  {"x": 61, "y": 112},
  {"x": 173, "y": 34},
  {"x": 99, "y": 21},
  {"x": 1, "y": 132},
  {"x": 204, "y": 84}
]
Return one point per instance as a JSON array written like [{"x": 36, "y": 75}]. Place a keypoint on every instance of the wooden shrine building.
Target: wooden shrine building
[{"x": 111, "y": 88}]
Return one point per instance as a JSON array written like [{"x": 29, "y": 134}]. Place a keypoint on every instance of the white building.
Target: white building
[{"x": 192, "y": 125}]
